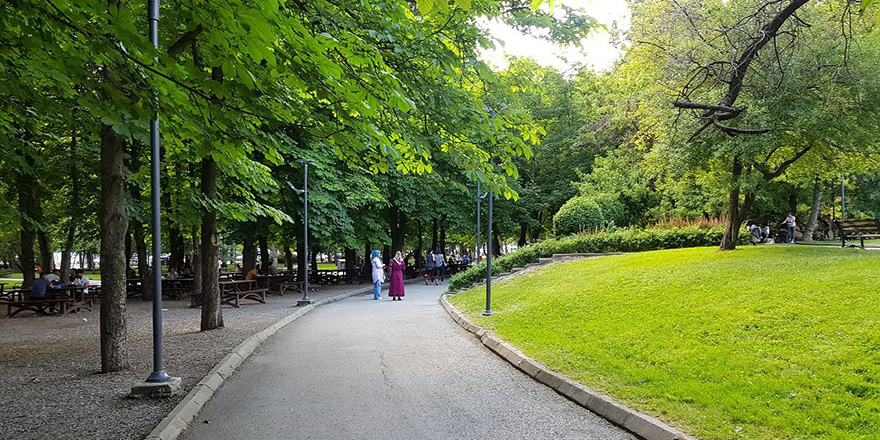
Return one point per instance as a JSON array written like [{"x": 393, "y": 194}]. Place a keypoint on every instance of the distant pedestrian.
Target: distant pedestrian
[
  {"x": 397, "y": 267},
  {"x": 439, "y": 265},
  {"x": 429, "y": 268},
  {"x": 378, "y": 273},
  {"x": 791, "y": 222}
]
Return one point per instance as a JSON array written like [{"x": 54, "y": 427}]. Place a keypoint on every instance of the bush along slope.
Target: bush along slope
[{"x": 623, "y": 240}]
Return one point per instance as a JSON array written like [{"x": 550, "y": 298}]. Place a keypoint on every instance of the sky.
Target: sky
[{"x": 597, "y": 51}]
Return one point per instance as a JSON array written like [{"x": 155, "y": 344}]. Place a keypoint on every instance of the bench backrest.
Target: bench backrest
[{"x": 858, "y": 226}]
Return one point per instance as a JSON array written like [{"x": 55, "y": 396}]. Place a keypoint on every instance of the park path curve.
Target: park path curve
[{"x": 365, "y": 369}]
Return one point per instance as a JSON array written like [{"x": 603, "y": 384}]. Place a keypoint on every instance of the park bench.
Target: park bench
[
  {"x": 296, "y": 286},
  {"x": 857, "y": 228},
  {"x": 63, "y": 305},
  {"x": 232, "y": 292}
]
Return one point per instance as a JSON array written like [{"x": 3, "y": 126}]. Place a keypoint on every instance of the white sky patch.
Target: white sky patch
[{"x": 597, "y": 51}]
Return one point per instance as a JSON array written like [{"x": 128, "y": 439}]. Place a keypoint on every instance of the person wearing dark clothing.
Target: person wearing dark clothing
[{"x": 40, "y": 288}]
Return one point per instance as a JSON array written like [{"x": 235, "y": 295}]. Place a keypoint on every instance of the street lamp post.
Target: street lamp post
[
  {"x": 159, "y": 374},
  {"x": 305, "y": 192},
  {"x": 488, "y": 311}
]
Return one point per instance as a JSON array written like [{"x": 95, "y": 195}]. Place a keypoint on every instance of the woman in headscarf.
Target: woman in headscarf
[
  {"x": 378, "y": 274},
  {"x": 397, "y": 266}
]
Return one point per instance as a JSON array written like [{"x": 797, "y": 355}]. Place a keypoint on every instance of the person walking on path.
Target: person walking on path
[
  {"x": 397, "y": 266},
  {"x": 378, "y": 274},
  {"x": 429, "y": 268},
  {"x": 439, "y": 265},
  {"x": 791, "y": 221}
]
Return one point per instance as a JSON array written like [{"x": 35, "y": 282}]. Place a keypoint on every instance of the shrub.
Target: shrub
[
  {"x": 612, "y": 208},
  {"x": 623, "y": 240},
  {"x": 578, "y": 214}
]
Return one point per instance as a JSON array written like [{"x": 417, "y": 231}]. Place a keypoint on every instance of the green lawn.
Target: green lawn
[
  {"x": 769, "y": 342},
  {"x": 96, "y": 275}
]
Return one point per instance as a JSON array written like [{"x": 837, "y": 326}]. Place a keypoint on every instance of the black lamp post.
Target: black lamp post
[
  {"x": 159, "y": 374},
  {"x": 479, "y": 197},
  {"x": 305, "y": 193}
]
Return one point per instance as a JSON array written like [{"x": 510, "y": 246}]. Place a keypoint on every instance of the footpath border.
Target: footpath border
[
  {"x": 178, "y": 419},
  {"x": 640, "y": 424}
]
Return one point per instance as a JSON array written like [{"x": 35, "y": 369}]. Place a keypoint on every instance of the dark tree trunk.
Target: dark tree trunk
[
  {"x": 175, "y": 243},
  {"x": 73, "y": 211},
  {"x": 419, "y": 246},
  {"x": 314, "y": 258},
  {"x": 737, "y": 213},
  {"x": 397, "y": 220},
  {"x": 212, "y": 313},
  {"x": 47, "y": 260},
  {"x": 442, "y": 243},
  {"x": 523, "y": 233},
  {"x": 114, "y": 225},
  {"x": 27, "y": 235},
  {"x": 196, "y": 261},
  {"x": 434, "y": 234},
  {"x": 536, "y": 232},
  {"x": 264, "y": 253},
  {"x": 350, "y": 264},
  {"x": 496, "y": 244},
  {"x": 386, "y": 254},
  {"x": 127, "y": 252},
  {"x": 249, "y": 250},
  {"x": 90, "y": 260},
  {"x": 140, "y": 243},
  {"x": 288, "y": 258}
]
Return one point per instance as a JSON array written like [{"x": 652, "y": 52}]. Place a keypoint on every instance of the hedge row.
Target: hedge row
[{"x": 623, "y": 240}]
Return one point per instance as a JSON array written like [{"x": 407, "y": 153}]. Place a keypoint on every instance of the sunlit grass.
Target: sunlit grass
[{"x": 771, "y": 342}]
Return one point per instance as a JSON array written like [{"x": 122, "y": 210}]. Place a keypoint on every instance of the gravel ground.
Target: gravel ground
[{"x": 70, "y": 400}]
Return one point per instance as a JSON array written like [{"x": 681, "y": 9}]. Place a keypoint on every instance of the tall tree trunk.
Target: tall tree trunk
[
  {"x": 128, "y": 251},
  {"x": 90, "y": 260},
  {"x": 734, "y": 222},
  {"x": 288, "y": 258},
  {"x": 196, "y": 261},
  {"x": 264, "y": 253},
  {"x": 175, "y": 245},
  {"x": 442, "y": 243},
  {"x": 114, "y": 225},
  {"x": 249, "y": 250},
  {"x": 386, "y": 254},
  {"x": 140, "y": 243},
  {"x": 27, "y": 234},
  {"x": 314, "y": 257},
  {"x": 212, "y": 313},
  {"x": 73, "y": 211},
  {"x": 419, "y": 246},
  {"x": 496, "y": 244},
  {"x": 523, "y": 233},
  {"x": 47, "y": 259},
  {"x": 814, "y": 211},
  {"x": 434, "y": 234}
]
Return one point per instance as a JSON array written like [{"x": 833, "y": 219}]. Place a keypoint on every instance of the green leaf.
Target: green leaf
[
  {"x": 425, "y": 6},
  {"x": 536, "y": 4}
]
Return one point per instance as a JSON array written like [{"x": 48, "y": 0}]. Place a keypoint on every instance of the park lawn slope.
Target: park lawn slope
[{"x": 770, "y": 342}]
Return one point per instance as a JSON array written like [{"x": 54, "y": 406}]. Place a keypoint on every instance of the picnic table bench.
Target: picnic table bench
[
  {"x": 64, "y": 300},
  {"x": 232, "y": 292},
  {"x": 857, "y": 228}
]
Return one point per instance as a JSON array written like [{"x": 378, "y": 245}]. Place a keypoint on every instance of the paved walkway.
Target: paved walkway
[{"x": 364, "y": 369}]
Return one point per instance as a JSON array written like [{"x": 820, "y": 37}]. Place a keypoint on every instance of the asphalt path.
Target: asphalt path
[{"x": 365, "y": 369}]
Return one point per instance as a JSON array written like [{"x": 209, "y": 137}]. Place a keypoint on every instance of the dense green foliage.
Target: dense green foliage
[
  {"x": 725, "y": 345},
  {"x": 623, "y": 240},
  {"x": 578, "y": 214}
]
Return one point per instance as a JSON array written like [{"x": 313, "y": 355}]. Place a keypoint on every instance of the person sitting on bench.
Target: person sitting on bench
[{"x": 40, "y": 289}]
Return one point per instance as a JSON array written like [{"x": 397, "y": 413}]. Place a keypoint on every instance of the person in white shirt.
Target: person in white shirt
[
  {"x": 791, "y": 222},
  {"x": 81, "y": 281},
  {"x": 54, "y": 278},
  {"x": 378, "y": 273}
]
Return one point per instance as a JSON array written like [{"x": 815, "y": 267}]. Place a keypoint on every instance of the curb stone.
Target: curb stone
[
  {"x": 640, "y": 424},
  {"x": 178, "y": 419}
]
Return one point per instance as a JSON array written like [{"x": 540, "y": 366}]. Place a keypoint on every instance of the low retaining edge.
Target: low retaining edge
[{"x": 640, "y": 424}]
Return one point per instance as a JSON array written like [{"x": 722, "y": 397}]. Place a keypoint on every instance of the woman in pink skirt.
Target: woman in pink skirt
[{"x": 397, "y": 265}]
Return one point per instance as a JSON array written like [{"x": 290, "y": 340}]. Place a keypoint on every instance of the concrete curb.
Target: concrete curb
[
  {"x": 178, "y": 419},
  {"x": 642, "y": 425}
]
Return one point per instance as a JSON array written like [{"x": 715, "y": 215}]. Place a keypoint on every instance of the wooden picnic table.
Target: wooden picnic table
[
  {"x": 232, "y": 292},
  {"x": 60, "y": 301}
]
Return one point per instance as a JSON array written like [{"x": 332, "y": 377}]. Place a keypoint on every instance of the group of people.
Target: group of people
[
  {"x": 46, "y": 281},
  {"x": 435, "y": 266},
  {"x": 396, "y": 291},
  {"x": 788, "y": 231}
]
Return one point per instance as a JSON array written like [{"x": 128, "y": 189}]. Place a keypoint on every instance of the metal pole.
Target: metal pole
[
  {"x": 488, "y": 311},
  {"x": 479, "y": 194},
  {"x": 158, "y": 374},
  {"x": 305, "y": 299},
  {"x": 842, "y": 198}
]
